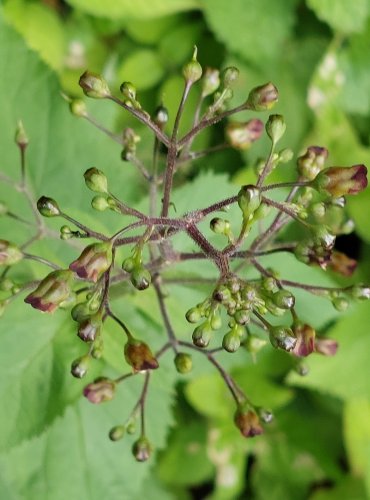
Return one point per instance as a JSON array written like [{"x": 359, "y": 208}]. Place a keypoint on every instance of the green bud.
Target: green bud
[
  {"x": 222, "y": 294},
  {"x": 340, "y": 303},
  {"x": 89, "y": 329},
  {"x": 128, "y": 264},
  {"x": 80, "y": 366},
  {"x": 231, "y": 341},
  {"x": 275, "y": 127},
  {"x": 142, "y": 449},
  {"x": 254, "y": 344},
  {"x": 210, "y": 82},
  {"x": 220, "y": 226},
  {"x": 193, "y": 315},
  {"x": 10, "y": 254},
  {"x": 48, "y": 207},
  {"x": 192, "y": 71},
  {"x": 99, "y": 203},
  {"x": 80, "y": 312},
  {"x": 318, "y": 210},
  {"x": 215, "y": 321},
  {"x": 128, "y": 90},
  {"x": 183, "y": 362},
  {"x": 284, "y": 299},
  {"x": 140, "y": 278},
  {"x": 263, "y": 97},
  {"x": 66, "y": 233},
  {"x": 97, "y": 348},
  {"x": 249, "y": 199},
  {"x": 96, "y": 180},
  {"x": 161, "y": 116},
  {"x": 20, "y": 136},
  {"x": 202, "y": 335},
  {"x": 360, "y": 291},
  {"x": 242, "y": 317},
  {"x": 6, "y": 284},
  {"x": 230, "y": 75},
  {"x": 131, "y": 427},
  {"x": 282, "y": 337},
  {"x": 285, "y": 155},
  {"x": 78, "y": 108},
  {"x": 94, "y": 85},
  {"x": 323, "y": 237},
  {"x": 117, "y": 432}
]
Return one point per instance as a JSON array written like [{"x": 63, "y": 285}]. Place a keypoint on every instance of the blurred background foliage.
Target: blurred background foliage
[{"x": 54, "y": 445}]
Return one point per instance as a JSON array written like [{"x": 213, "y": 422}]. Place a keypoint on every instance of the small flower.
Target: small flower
[
  {"x": 99, "y": 391},
  {"x": 339, "y": 181},
  {"x": 93, "y": 261},
  {"x": 139, "y": 356},
  {"x": 241, "y": 135},
  {"x": 340, "y": 263},
  {"x": 9, "y": 253},
  {"x": 305, "y": 345},
  {"x": 327, "y": 347},
  {"x": 52, "y": 291},
  {"x": 312, "y": 162},
  {"x": 248, "y": 423}
]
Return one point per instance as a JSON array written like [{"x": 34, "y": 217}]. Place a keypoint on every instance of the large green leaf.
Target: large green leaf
[
  {"x": 341, "y": 15},
  {"x": 140, "y": 9}
]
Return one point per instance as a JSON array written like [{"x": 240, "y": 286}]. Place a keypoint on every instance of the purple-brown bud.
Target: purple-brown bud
[
  {"x": 305, "y": 344},
  {"x": 241, "y": 135},
  {"x": 248, "y": 423},
  {"x": 94, "y": 261},
  {"x": 90, "y": 328},
  {"x": 9, "y": 253},
  {"x": 263, "y": 97},
  {"x": 52, "y": 291},
  {"x": 327, "y": 347},
  {"x": 99, "y": 391},
  {"x": 340, "y": 263},
  {"x": 312, "y": 162},
  {"x": 139, "y": 356},
  {"x": 339, "y": 181}
]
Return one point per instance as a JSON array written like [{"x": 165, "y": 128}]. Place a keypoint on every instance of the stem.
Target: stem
[
  {"x": 84, "y": 228},
  {"x": 164, "y": 312},
  {"x": 41, "y": 260},
  {"x": 284, "y": 209},
  {"x": 211, "y": 252},
  {"x": 267, "y": 168},
  {"x": 121, "y": 323},
  {"x": 286, "y": 184},
  {"x": 107, "y": 132}
]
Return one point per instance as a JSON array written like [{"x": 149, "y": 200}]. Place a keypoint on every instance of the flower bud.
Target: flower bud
[
  {"x": 222, "y": 294},
  {"x": 183, "y": 362},
  {"x": 140, "y": 278},
  {"x": 80, "y": 312},
  {"x": 340, "y": 181},
  {"x": 94, "y": 85},
  {"x": 99, "y": 391},
  {"x": 80, "y": 366},
  {"x": 220, "y": 226},
  {"x": 215, "y": 321},
  {"x": 96, "y": 180},
  {"x": 48, "y": 207},
  {"x": 131, "y": 427},
  {"x": 6, "y": 284},
  {"x": 360, "y": 292},
  {"x": 52, "y": 291},
  {"x": 254, "y": 344},
  {"x": 10, "y": 254},
  {"x": 90, "y": 328},
  {"x": 305, "y": 344},
  {"x": 93, "y": 261},
  {"x": 128, "y": 264},
  {"x": 139, "y": 356},
  {"x": 231, "y": 341},
  {"x": 263, "y": 97},
  {"x": 210, "y": 82},
  {"x": 97, "y": 347},
  {"x": 242, "y": 317},
  {"x": 193, "y": 315},
  {"x": 312, "y": 162},
  {"x": 117, "y": 432},
  {"x": 285, "y": 155},
  {"x": 284, "y": 299},
  {"x": 66, "y": 233},
  {"x": 247, "y": 422},
  {"x": 327, "y": 347},
  {"x": 241, "y": 135},
  {"x": 282, "y": 337},
  {"x": 323, "y": 237},
  {"x": 192, "y": 71},
  {"x": 340, "y": 263},
  {"x": 161, "y": 116},
  {"x": 275, "y": 127},
  {"x": 229, "y": 76},
  {"x": 249, "y": 199},
  {"x": 99, "y": 203},
  {"x": 21, "y": 138},
  {"x": 340, "y": 303},
  {"x": 141, "y": 449},
  {"x": 202, "y": 335},
  {"x": 128, "y": 90},
  {"x": 78, "y": 108}
]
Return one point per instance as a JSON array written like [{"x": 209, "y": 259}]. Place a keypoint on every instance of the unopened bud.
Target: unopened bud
[
  {"x": 183, "y": 362},
  {"x": 247, "y": 422},
  {"x": 161, "y": 116},
  {"x": 139, "y": 356},
  {"x": 100, "y": 391},
  {"x": 249, "y": 199},
  {"x": 210, "y": 82},
  {"x": 193, "y": 315},
  {"x": 90, "y": 328},
  {"x": 202, "y": 335},
  {"x": 312, "y": 162},
  {"x": 96, "y": 180},
  {"x": 10, "y": 254},
  {"x": 80, "y": 366},
  {"x": 78, "y": 108},
  {"x": 220, "y": 226},
  {"x": 340, "y": 181},
  {"x": 340, "y": 303},
  {"x": 241, "y": 135},
  {"x": 229, "y": 76},
  {"x": 192, "y": 71},
  {"x": 141, "y": 449},
  {"x": 360, "y": 292},
  {"x": 285, "y": 155},
  {"x": 284, "y": 299},
  {"x": 20, "y": 136},
  {"x": 48, "y": 207},
  {"x": 94, "y": 85},
  {"x": 282, "y": 337},
  {"x": 263, "y": 97},
  {"x": 116, "y": 433},
  {"x": 140, "y": 278},
  {"x": 275, "y": 127},
  {"x": 231, "y": 341},
  {"x": 128, "y": 90},
  {"x": 99, "y": 203}
]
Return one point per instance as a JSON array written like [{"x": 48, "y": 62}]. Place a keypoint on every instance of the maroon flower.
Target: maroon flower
[
  {"x": 241, "y": 135},
  {"x": 248, "y": 423},
  {"x": 139, "y": 356},
  {"x": 99, "y": 391},
  {"x": 305, "y": 340},
  {"x": 94, "y": 261},
  {"x": 339, "y": 181},
  {"x": 340, "y": 263},
  {"x": 327, "y": 347},
  {"x": 52, "y": 291}
]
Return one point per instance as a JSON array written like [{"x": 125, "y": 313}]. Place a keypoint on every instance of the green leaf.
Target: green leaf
[
  {"x": 143, "y": 68},
  {"x": 41, "y": 28},
  {"x": 347, "y": 374},
  {"x": 357, "y": 435},
  {"x": 141, "y": 9},
  {"x": 246, "y": 29},
  {"x": 341, "y": 15}
]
